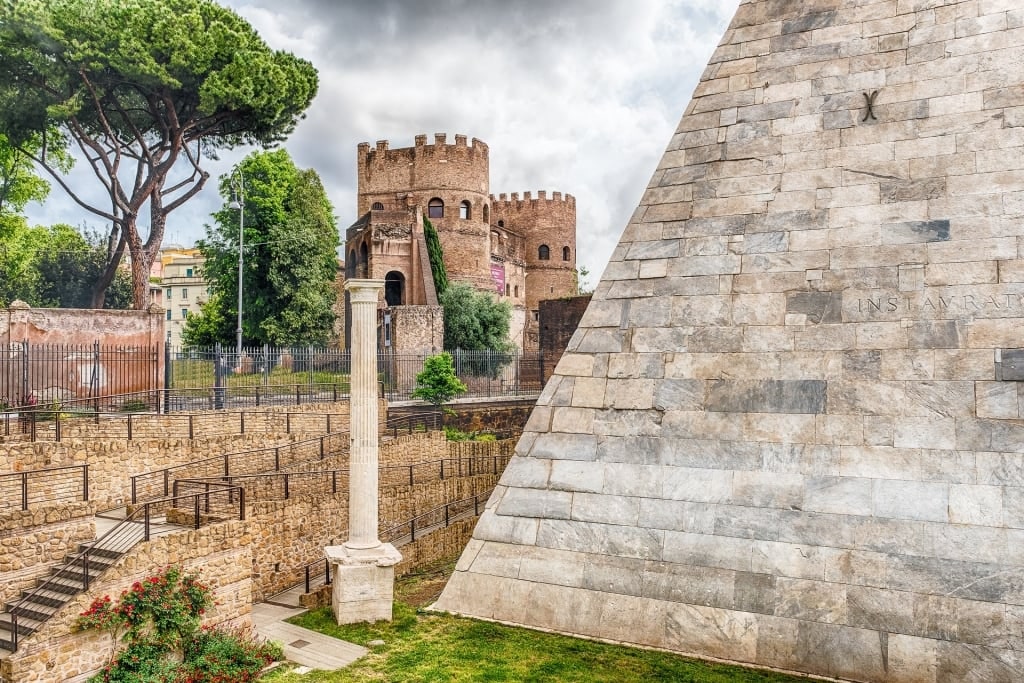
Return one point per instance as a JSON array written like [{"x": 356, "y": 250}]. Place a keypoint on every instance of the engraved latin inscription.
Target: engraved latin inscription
[{"x": 982, "y": 302}]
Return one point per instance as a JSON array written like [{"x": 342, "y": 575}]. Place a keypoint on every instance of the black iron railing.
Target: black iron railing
[
  {"x": 285, "y": 485},
  {"x": 49, "y": 485},
  {"x": 419, "y": 526},
  {"x": 58, "y": 423},
  {"x": 440, "y": 517},
  {"x": 236, "y": 464},
  {"x": 210, "y": 504}
]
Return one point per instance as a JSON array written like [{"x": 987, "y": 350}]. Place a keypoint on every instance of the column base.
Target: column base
[{"x": 363, "y": 582}]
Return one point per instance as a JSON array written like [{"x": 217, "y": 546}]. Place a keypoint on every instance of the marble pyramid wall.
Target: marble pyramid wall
[{"x": 789, "y": 430}]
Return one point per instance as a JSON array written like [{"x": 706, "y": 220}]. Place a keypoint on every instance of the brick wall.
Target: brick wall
[
  {"x": 558, "y": 321},
  {"x": 67, "y": 326}
]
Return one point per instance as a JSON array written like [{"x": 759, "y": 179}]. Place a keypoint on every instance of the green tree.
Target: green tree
[
  {"x": 210, "y": 326},
  {"x": 19, "y": 183},
  {"x": 436, "y": 256},
  {"x": 70, "y": 266},
  {"x": 438, "y": 383},
  {"x": 581, "y": 282},
  {"x": 56, "y": 267},
  {"x": 474, "y": 320},
  {"x": 19, "y": 244},
  {"x": 290, "y": 258},
  {"x": 144, "y": 89}
]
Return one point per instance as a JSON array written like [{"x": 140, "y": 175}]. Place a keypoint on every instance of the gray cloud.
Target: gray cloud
[{"x": 579, "y": 96}]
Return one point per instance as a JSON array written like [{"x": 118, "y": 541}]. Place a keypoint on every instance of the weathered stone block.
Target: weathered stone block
[
  {"x": 819, "y": 307},
  {"x": 783, "y": 396}
]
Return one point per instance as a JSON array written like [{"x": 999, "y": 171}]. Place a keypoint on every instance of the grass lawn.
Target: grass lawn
[
  {"x": 199, "y": 374},
  {"x": 426, "y": 647}
]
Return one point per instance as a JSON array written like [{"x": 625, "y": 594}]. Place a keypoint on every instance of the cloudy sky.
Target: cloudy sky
[{"x": 578, "y": 96}]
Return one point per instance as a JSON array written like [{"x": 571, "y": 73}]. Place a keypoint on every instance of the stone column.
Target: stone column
[
  {"x": 362, "y": 500},
  {"x": 364, "y": 567}
]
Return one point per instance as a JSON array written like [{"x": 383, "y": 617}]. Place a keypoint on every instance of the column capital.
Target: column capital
[{"x": 363, "y": 291}]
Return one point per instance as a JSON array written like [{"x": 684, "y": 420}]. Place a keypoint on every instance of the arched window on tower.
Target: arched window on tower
[
  {"x": 501, "y": 224},
  {"x": 487, "y": 215},
  {"x": 394, "y": 288},
  {"x": 350, "y": 264},
  {"x": 363, "y": 269},
  {"x": 544, "y": 253},
  {"x": 435, "y": 208},
  {"x": 565, "y": 253},
  {"x": 465, "y": 210},
  {"x": 377, "y": 206}
]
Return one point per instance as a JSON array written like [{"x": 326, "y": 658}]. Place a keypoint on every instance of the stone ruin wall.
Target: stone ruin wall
[
  {"x": 112, "y": 459},
  {"x": 243, "y": 561},
  {"x": 220, "y": 553},
  {"x": 31, "y": 541}
]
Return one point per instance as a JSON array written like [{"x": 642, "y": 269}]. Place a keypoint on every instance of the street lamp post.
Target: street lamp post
[{"x": 238, "y": 189}]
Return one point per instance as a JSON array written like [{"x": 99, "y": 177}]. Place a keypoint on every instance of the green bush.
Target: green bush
[
  {"x": 456, "y": 434},
  {"x": 226, "y": 655},
  {"x": 158, "y": 621},
  {"x": 438, "y": 382},
  {"x": 134, "y": 405}
]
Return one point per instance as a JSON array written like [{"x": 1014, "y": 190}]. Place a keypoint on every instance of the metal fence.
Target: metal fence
[
  {"x": 95, "y": 378},
  {"x": 44, "y": 375},
  {"x": 268, "y": 375}
]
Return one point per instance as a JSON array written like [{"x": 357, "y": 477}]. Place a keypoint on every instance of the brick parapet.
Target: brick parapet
[{"x": 542, "y": 221}]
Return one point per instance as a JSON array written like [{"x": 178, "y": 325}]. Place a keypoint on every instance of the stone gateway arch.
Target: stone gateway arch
[{"x": 788, "y": 431}]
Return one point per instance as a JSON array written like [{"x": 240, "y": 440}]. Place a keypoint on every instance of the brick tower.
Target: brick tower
[
  {"x": 450, "y": 185},
  {"x": 548, "y": 228}
]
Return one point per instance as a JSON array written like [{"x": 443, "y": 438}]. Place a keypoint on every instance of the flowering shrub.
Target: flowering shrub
[{"x": 158, "y": 620}]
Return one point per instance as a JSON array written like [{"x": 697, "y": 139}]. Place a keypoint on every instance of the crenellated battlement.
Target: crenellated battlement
[
  {"x": 504, "y": 201},
  {"x": 381, "y": 154}
]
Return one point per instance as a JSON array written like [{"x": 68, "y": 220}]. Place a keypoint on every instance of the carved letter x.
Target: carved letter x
[{"x": 869, "y": 100}]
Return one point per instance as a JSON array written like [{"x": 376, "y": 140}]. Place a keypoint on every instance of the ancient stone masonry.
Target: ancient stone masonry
[
  {"x": 220, "y": 553},
  {"x": 789, "y": 430},
  {"x": 31, "y": 541}
]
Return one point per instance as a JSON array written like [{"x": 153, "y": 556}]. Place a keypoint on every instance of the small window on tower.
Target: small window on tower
[
  {"x": 435, "y": 208},
  {"x": 377, "y": 206},
  {"x": 544, "y": 253},
  {"x": 507, "y": 289},
  {"x": 501, "y": 224},
  {"x": 565, "y": 253},
  {"x": 487, "y": 215},
  {"x": 465, "y": 210}
]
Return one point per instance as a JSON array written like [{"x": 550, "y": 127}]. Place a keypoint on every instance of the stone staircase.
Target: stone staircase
[
  {"x": 116, "y": 537},
  {"x": 35, "y": 606}
]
